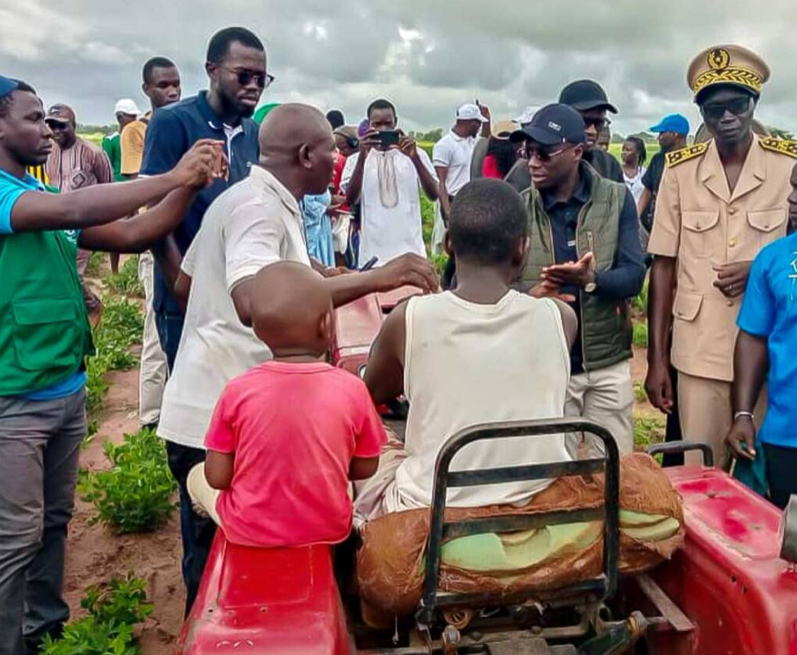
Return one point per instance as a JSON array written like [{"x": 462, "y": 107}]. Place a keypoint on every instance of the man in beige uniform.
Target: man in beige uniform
[{"x": 719, "y": 203}]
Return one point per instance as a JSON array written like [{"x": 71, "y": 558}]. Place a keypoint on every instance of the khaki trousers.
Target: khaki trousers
[
  {"x": 606, "y": 397},
  {"x": 154, "y": 369},
  {"x": 706, "y": 413},
  {"x": 203, "y": 496}
]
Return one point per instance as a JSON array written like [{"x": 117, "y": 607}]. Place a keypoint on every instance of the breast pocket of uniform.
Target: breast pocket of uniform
[
  {"x": 700, "y": 233},
  {"x": 766, "y": 226}
]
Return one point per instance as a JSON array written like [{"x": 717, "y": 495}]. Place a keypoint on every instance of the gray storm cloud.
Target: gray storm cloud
[{"x": 428, "y": 57}]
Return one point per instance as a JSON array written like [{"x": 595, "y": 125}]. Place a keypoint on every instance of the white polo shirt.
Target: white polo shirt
[
  {"x": 254, "y": 223},
  {"x": 454, "y": 152}
]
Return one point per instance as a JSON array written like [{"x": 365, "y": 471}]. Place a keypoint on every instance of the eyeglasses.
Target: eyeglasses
[
  {"x": 263, "y": 80},
  {"x": 717, "y": 110},
  {"x": 543, "y": 155},
  {"x": 598, "y": 123}
]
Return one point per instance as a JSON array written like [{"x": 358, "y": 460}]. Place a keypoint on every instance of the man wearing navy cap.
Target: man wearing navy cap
[
  {"x": 584, "y": 236},
  {"x": 672, "y": 130},
  {"x": 590, "y": 100}
]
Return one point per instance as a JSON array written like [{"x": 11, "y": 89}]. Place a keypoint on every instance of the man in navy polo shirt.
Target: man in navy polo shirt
[
  {"x": 236, "y": 68},
  {"x": 766, "y": 349}
]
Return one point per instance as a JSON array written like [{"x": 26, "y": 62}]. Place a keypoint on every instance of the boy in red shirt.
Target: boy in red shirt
[{"x": 288, "y": 436}]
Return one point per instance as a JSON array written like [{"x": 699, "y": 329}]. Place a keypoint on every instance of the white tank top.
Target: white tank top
[{"x": 468, "y": 364}]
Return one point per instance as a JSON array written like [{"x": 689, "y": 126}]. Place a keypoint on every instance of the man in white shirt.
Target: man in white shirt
[
  {"x": 384, "y": 177},
  {"x": 452, "y": 154},
  {"x": 254, "y": 223}
]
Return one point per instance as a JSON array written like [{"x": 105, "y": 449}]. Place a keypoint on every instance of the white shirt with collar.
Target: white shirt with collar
[
  {"x": 389, "y": 232},
  {"x": 254, "y": 223},
  {"x": 454, "y": 152}
]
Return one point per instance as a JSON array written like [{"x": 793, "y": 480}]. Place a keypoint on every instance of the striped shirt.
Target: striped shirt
[{"x": 82, "y": 165}]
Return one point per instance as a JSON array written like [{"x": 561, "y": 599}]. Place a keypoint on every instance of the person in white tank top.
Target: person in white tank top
[{"x": 480, "y": 353}]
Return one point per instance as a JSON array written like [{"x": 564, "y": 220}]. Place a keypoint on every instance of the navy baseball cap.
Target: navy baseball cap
[
  {"x": 584, "y": 95},
  {"x": 672, "y": 123},
  {"x": 7, "y": 85},
  {"x": 553, "y": 125}
]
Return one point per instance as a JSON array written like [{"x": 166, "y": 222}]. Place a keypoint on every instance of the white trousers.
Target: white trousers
[
  {"x": 606, "y": 397},
  {"x": 153, "y": 371}
]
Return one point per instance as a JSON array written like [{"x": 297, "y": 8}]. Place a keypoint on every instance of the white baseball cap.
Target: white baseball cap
[
  {"x": 527, "y": 115},
  {"x": 470, "y": 112},
  {"x": 127, "y": 106}
]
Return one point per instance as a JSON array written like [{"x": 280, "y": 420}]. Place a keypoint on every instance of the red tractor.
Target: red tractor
[{"x": 731, "y": 589}]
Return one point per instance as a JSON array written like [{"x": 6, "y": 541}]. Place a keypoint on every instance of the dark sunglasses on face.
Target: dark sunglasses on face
[
  {"x": 263, "y": 80},
  {"x": 716, "y": 111},
  {"x": 543, "y": 154},
  {"x": 598, "y": 123}
]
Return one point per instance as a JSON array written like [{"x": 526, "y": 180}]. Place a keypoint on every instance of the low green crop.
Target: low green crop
[
  {"x": 126, "y": 281},
  {"x": 641, "y": 334},
  {"x": 135, "y": 494},
  {"x": 648, "y": 431},
  {"x": 640, "y": 395},
  {"x": 113, "y": 611}
]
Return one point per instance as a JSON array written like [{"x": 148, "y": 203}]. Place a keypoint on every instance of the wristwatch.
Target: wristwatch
[{"x": 590, "y": 287}]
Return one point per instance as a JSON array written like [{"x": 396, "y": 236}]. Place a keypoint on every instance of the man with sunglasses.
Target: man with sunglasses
[
  {"x": 585, "y": 248},
  {"x": 590, "y": 100},
  {"x": 718, "y": 205},
  {"x": 236, "y": 69}
]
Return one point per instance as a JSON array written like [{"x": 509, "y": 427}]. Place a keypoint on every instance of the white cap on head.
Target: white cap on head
[
  {"x": 527, "y": 115},
  {"x": 470, "y": 112},
  {"x": 127, "y": 106}
]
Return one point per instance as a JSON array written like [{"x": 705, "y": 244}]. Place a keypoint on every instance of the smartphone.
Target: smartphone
[{"x": 388, "y": 138}]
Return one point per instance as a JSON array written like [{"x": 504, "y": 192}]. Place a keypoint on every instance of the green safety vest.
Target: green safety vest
[
  {"x": 44, "y": 328},
  {"x": 606, "y": 330}
]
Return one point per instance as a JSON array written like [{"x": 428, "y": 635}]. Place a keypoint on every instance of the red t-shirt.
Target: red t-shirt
[
  {"x": 490, "y": 168},
  {"x": 294, "y": 429}
]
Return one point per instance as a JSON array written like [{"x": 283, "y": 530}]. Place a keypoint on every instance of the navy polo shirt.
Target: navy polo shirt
[{"x": 170, "y": 134}]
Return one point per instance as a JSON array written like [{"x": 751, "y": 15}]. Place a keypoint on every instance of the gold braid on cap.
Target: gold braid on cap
[{"x": 730, "y": 75}]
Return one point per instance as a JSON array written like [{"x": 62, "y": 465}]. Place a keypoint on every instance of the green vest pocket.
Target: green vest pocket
[{"x": 46, "y": 334}]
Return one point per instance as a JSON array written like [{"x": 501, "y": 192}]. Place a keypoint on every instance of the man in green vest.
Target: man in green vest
[
  {"x": 44, "y": 339},
  {"x": 584, "y": 244}
]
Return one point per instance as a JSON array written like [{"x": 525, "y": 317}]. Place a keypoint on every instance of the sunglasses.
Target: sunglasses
[
  {"x": 598, "y": 123},
  {"x": 717, "y": 110},
  {"x": 263, "y": 80},
  {"x": 543, "y": 155}
]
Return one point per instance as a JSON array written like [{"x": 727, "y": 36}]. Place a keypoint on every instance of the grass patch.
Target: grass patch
[
  {"x": 121, "y": 326},
  {"x": 648, "y": 431},
  {"x": 134, "y": 495},
  {"x": 94, "y": 266},
  {"x": 640, "y": 395},
  {"x": 126, "y": 282},
  {"x": 641, "y": 334},
  {"x": 113, "y": 612},
  {"x": 640, "y": 303}
]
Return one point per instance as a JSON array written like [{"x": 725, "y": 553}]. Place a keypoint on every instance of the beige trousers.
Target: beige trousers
[
  {"x": 706, "y": 413},
  {"x": 153, "y": 370},
  {"x": 203, "y": 496},
  {"x": 606, "y": 397}
]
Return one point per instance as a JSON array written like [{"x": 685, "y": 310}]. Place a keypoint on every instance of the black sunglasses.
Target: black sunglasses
[
  {"x": 717, "y": 110},
  {"x": 263, "y": 80},
  {"x": 544, "y": 155},
  {"x": 598, "y": 123}
]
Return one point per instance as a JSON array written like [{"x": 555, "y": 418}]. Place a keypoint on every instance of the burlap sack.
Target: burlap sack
[{"x": 390, "y": 564}]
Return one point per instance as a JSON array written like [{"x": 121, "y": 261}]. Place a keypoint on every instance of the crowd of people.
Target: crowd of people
[{"x": 254, "y": 225}]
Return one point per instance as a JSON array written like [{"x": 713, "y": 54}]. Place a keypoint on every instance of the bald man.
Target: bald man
[{"x": 254, "y": 223}]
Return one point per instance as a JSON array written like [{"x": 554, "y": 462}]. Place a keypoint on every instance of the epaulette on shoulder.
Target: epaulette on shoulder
[
  {"x": 685, "y": 154},
  {"x": 783, "y": 146}
]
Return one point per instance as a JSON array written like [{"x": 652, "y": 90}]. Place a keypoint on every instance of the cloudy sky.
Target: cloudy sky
[{"x": 428, "y": 56}]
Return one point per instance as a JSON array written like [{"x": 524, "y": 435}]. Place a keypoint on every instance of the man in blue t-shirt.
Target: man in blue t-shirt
[
  {"x": 44, "y": 338},
  {"x": 766, "y": 349},
  {"x": 236, "y": 68}
]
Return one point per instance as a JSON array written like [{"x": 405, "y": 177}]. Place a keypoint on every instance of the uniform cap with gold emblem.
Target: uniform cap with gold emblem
[{"x": 727, "y": 64}]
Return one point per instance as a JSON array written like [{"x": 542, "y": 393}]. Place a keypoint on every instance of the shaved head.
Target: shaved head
[
  {"x": 297, "y": 146},
  {"x": 292, "y": 309}
]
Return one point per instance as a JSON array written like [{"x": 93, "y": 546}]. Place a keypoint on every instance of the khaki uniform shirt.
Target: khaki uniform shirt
[{"x": 702, "y": 224}]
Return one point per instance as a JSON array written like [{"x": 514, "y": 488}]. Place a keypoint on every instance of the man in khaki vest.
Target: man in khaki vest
[{"x": 719, "y": 203}]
